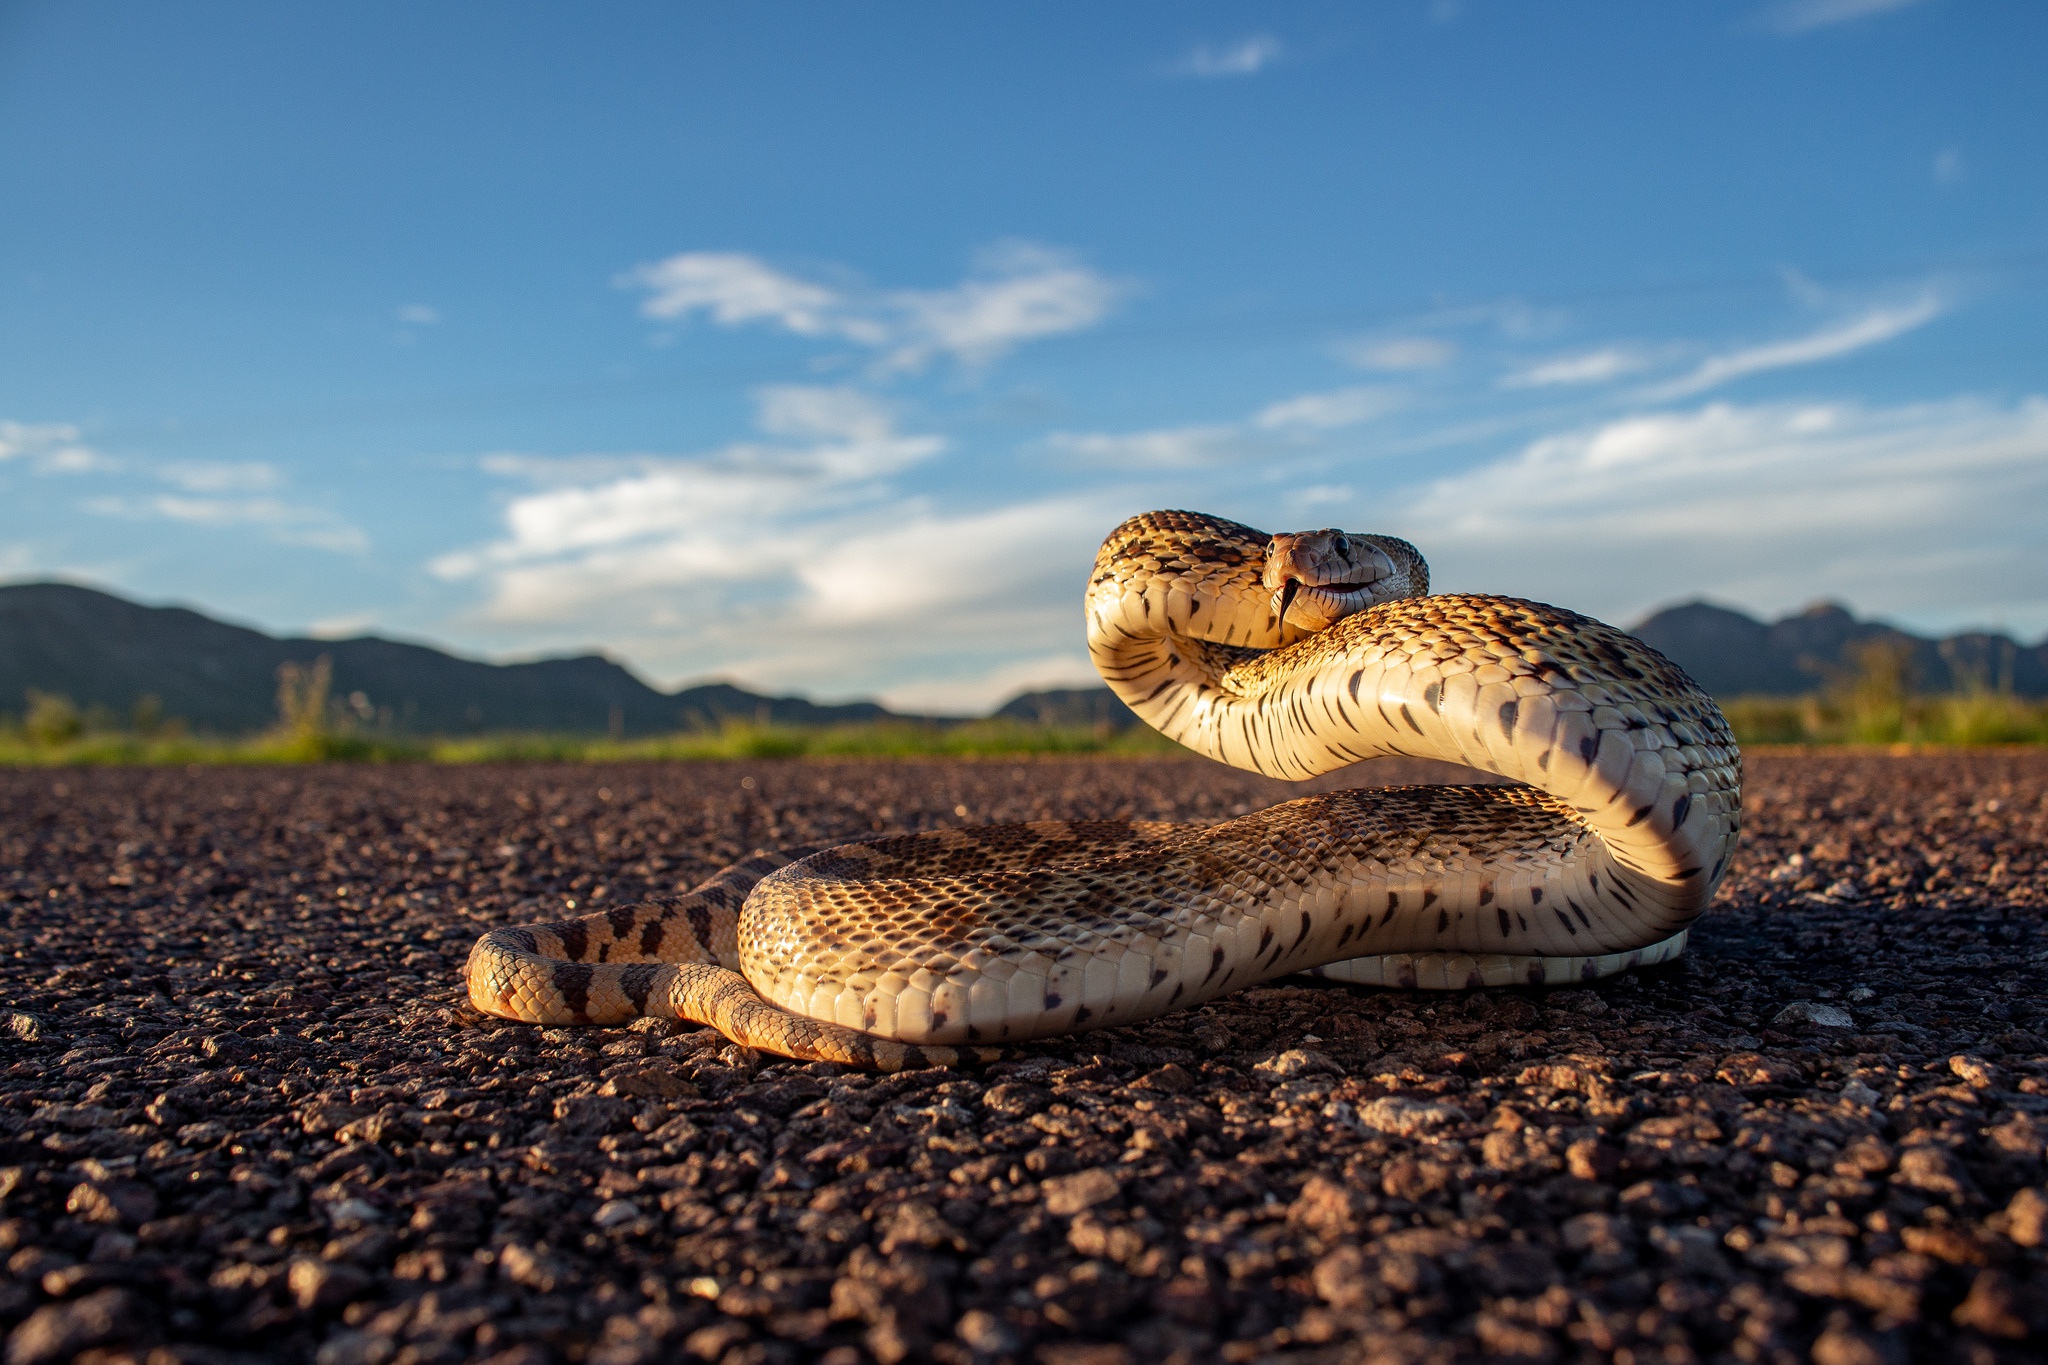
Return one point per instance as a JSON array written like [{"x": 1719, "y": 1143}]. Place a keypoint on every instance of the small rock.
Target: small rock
[
  {"x": 27, "y": 1027},
  {"x": 128, "y": 1202},
  {"x": 205, "y": 1134},
  {"x": 353, "y": 1213},
  {"x": 1329, "y": 1208},
  {"x": 1070, "y": 1194},
  {"x": 535, "y": 1270},
  {"x": 655, "y": 1082},
  {"x": 590, "y": 1115},
  {"x": 320, "y": 1285},
  {"x": 615, "y": 1212},
  {"x": 1993, "y": 1307},
  {"x": 58, "y": 1331},
  {"x": 1843, "y": 889},
  {"x": 1815, "y": 1015},
  {"x": 1016, "y": 1099},
  {"x": 1173, "y": 1079},
  {"x": 918, "y": 1224},
  {"x": 227, "y": 1047},
  {"x": 1856, "y": 1092},
  {"x": 1860, "y": 994},
  {"x": 356, "y": 1348},
  {"x": 1844, "y": 1343},
  {"x": 78, "y": 1118},
  {"x": 1592, "y": 1159},
  {"x": 1605, "y": 1243},
  {"x": 1692, "y": 1250},
  {"x": 1341, "y": 1281},
  {"x": 1660, "y": 1199},
  {"x": 1975, "y": 1072},
  {"x": 1409, "y": 1118},
  {"x": 1933, "y": 1170},
  {"x": 2026, "y": 1218},
  {"x": 984, "y": 1333},
  {"x": 1296, "y": 1061}
]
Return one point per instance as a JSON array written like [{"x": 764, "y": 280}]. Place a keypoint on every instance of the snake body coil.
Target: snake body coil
[{"x": 1290, "y": 655}]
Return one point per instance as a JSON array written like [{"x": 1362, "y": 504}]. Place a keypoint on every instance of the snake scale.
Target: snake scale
[{"x": 1291, "y": 655}]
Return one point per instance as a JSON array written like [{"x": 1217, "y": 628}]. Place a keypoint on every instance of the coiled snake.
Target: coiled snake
[{"x": 1291, "y": 655}]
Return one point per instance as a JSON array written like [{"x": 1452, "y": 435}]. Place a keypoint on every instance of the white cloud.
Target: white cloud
[
  {"x": 603, "y": 524},
  {"x": 1585, "y": 367},
  {"x": 1189, "y": 447},
  {"x": 1290, "y": 426},
  {"x": 1877, "y": 325},
  {"x": 1399, "y": 353},
  {"x": 50, "y": 448},
  {"x": 419, "y": 315},
  {"x": 282, "y": 522},
  {"x": 793, "y": 562},
  {"x": 213, "y": 476},
  {"x": 1327, "y": 411},
  {"x": 1925, "y": 508},
  {"x": 736, "y": 288},
  {"x": 1027, "y": 293},
  {"x": 1247, "y": 57},
  {"x": 1018, "y": 293},
  {"x": 1803, "y": 16},
  {"x": 1949, "y": 168}
]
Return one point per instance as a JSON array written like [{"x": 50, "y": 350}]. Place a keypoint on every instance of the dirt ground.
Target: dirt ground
[{"x": 246, "y": 1115}]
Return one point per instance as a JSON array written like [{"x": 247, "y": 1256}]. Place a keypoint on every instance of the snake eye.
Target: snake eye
[{"x": 1342, "y": 545}]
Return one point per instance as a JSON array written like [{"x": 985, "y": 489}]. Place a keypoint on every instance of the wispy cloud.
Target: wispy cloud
[
  {"x": 1328, "y": 411},
  {"x": 1877, "y": 325},
  {"x": 1190, "y": 447},
  {"x": 1584, "y": 367},
  {"x": 1246, "y": 57},
  {"x": 1399, "y": 353},
  {"x": 50, "y": 448},
  {"x": 1949, "y": 169},
  {"x": 217, "y": 476},
  {"x": 282, "y": 522},
  {"x": 1804, "y": 16},
  {"x": 1770, "y": 505},
  {"x": 1018, "y": 293},
  {"x": 793, "y": 561},
  {"x": 1291, "y": 425},
  {"x": 233, "y": 494},
  {"x": 419, "y": 315}
]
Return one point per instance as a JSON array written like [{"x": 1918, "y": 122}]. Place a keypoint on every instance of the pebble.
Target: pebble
[{"x": 251, "y": 1117}]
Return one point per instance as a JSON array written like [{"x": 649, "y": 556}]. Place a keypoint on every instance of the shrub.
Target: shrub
[{"x": 52, "y": 720}]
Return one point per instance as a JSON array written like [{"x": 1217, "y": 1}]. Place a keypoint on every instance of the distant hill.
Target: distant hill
[
  {"x": 104, "y": 651},
  {"x": 1732, "y": 654},
  {"x": 1076, "y": 707}
]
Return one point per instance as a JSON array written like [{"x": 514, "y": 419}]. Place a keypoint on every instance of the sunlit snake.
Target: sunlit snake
[{"x": 1290, "y": 655}]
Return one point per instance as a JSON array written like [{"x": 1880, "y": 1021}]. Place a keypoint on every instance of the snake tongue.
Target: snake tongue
[{"x": 1285, "y": 598}]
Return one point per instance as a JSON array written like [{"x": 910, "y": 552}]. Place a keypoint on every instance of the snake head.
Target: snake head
[{"x": 1317, "y": 578}]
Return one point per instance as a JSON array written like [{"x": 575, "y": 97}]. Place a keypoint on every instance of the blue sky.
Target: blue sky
[{"x": 818, "y": 346}]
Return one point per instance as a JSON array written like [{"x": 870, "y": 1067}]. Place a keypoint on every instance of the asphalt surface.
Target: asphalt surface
[{"x": 245, "y": 1113}]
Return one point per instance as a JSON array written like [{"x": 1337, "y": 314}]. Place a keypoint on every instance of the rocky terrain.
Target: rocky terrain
[{"x": 245, "y": 1113}]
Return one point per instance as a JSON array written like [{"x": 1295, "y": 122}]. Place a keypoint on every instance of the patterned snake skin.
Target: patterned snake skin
[{"x": 1291, "y": 655}]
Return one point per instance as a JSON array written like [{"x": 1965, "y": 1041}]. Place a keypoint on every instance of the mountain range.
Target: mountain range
[{"x": 103, "y": 651}]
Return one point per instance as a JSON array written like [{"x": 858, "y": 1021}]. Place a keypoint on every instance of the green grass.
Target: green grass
[
  {"x": 975, "y": 738},
  {"x": 1948, "y": 720}
]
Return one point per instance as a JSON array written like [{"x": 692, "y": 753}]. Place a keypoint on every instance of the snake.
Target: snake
[{"x": 1290, "y": 655}]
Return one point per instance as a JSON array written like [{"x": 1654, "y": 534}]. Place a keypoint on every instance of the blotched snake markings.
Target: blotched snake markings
[{"x": 1290, "y": 655}]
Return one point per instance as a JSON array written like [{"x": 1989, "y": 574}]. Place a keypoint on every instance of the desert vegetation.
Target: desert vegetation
[{"x": 1873, "y": 702}]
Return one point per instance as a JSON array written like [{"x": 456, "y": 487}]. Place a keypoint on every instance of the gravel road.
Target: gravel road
[{"x": 245, "y": 1113}]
